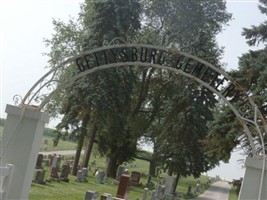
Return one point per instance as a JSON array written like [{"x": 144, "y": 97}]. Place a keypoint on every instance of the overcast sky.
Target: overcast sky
[{"x": 24, "y": 24}]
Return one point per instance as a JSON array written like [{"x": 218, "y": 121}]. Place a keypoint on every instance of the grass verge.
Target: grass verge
[{"x": 233, "y": 195}]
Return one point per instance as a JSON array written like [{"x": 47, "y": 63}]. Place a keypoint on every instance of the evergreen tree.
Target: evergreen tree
[
  {"x": 226, "y": 131},
  {"x": 184, "y": 112}
]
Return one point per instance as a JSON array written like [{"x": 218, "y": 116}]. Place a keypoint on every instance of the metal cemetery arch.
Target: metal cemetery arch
[
  {"x": 119, "y": 54},
  {"x": 131, "y": 54}
]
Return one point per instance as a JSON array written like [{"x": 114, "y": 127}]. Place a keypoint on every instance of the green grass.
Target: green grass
[
  {"x": 232, "y": 194},
  {"x": 76, "y": 191},
  {"x": 62, "y": 145}
]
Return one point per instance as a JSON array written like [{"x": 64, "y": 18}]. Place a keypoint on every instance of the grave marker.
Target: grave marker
[
  {"x": 106, "y": 196},
  {"x": 91, "y": 195},
  {"x": 120, "y": 171},
  {"x": 100, "y": 175},
  {"x": 39, "y": 176},
  {"x": 169, "y": 184},
  {"x": 54, "y": 175},
  {"x": 81, "y": 175},
  {"x": 145, "y": 194},
  {"x": 65, "y": 172},
  {"x": 39, "y": 161},
  {"x": 135, "y": 178},
  {"x": 123, "y": 185}
]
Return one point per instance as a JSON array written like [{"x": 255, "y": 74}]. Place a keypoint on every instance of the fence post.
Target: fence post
[{"x": 20, "y": 146}]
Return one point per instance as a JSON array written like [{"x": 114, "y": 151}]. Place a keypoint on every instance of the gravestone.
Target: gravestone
[
  {"x": 39, "y": 161},
  {"x": 46, "y": 141},
  {"x": 120, "y": 171},
  {"x": 81, "y": 176},
  {"x": 169, "y": 184},
  {"x": 55, "y": 161},
  {"x": 54, "y": 175},
  {"x": 91, "y": 195},
  {"x": 51, "y": 157},
  {"x": 46, "y": 144},
  {"x": 65, "y": 172},
  {"x": 197, "y": 188},
  {"x": 135, "y": 178},
  {"x": 189, "y": 191},
  {"x": 39, "y": 176},
  {"x": 106, "y": 196},
  {"x": 145, "y": 194},
  {"x": 123, "y": 185},
  {"x": 58, "y": 161},
  {"x": 149, "y": 183},
  {"x": 85, "y": 172},
  {"x": 100, "y": 177},
  {"x": 153, "y": 195},
  {"x": 159, "y": 192}
]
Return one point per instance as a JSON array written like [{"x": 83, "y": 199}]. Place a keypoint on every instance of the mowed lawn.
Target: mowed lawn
[
  {"x": 76, "y": 191},
  {"x": 62, "y": 145}
]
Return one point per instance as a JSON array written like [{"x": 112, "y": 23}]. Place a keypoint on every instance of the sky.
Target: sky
[{"x": 24, "y": 25}]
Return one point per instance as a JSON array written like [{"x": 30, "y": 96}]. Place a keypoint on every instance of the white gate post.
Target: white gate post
[
  {"x": 255, "y": 180},
  {"x": 20, "y": 146}
]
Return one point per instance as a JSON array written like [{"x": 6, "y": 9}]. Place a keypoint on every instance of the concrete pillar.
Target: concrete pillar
[
  {"x": 251, "y": 184},
  {"x": 20, "y": 146}
]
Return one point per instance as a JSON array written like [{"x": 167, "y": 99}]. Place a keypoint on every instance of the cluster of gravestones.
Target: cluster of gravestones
[
  {"x": 123, "y": 186},
  {"x": 163, "y": 190},
  {"x": 53, "y": 162},
  {"x": 123, "y": 179}
]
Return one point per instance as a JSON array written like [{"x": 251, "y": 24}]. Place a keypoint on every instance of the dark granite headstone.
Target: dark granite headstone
[
  {"x": 135, "y": 178},
  {"x": 65, "y": 173},
  {"x": 39, "y": 161},
  {"x": 39, "y": 176}
]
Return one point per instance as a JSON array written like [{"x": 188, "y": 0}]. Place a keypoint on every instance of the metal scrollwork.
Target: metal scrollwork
[
  {"x": 200, "y": 54},
  {"x": 117, "y": 41},
  {"x": 247, "y": 111},
  {"x": 188, "y": 49},
  {"x": 17, "y": 99}
]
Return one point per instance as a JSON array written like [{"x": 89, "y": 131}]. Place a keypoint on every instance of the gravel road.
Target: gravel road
[
  {"x": 217, "y": 191},
  {"x": 63, "y": 152}
]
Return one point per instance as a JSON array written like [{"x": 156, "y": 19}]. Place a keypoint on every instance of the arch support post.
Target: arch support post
[
  {"x": 255, "y": 179},
  {"x": 20, "y": 146}
]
